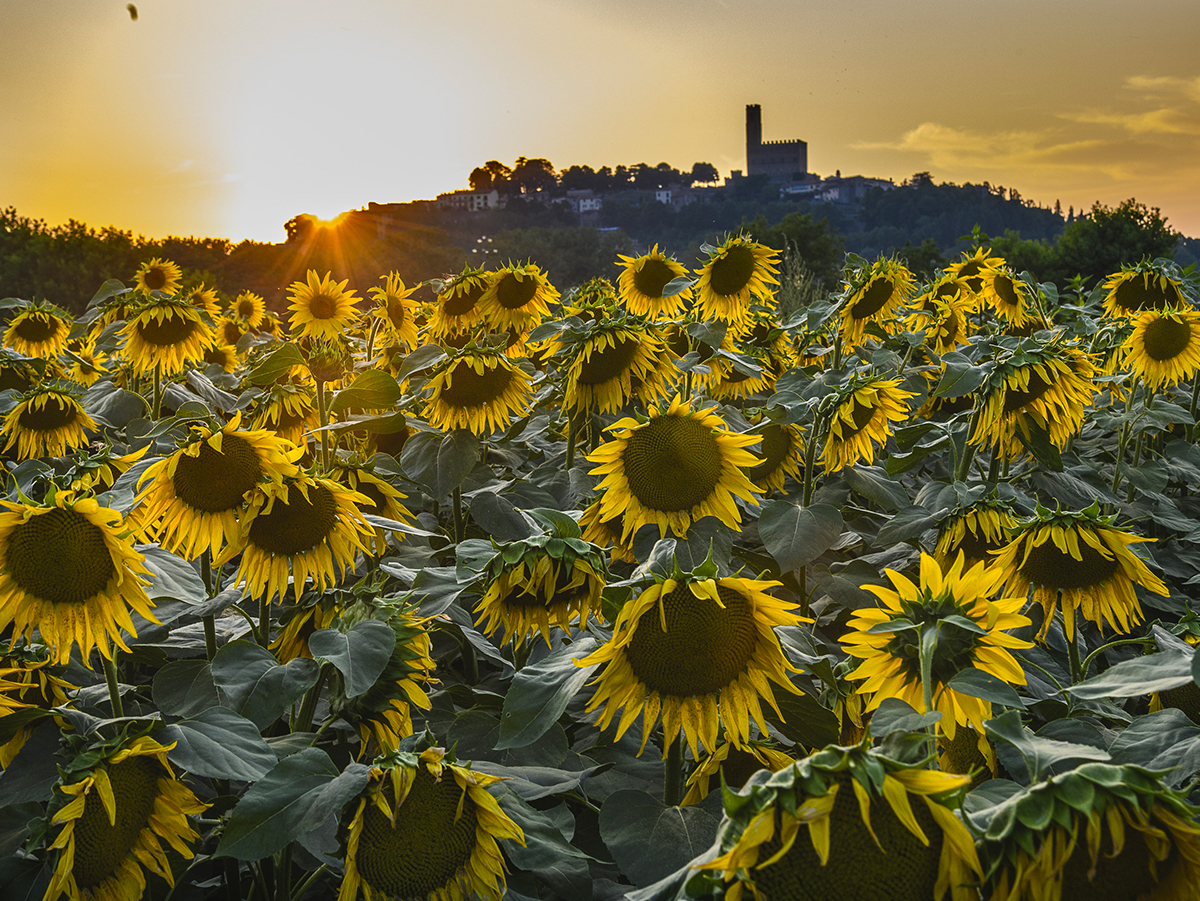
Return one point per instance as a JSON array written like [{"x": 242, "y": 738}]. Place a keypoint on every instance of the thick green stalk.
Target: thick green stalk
[
  {"x": 673, "y": 776},
  {"x": 157, "y": 403},
  {"x": 1073, "y": 656},
  {"x": 114, "y": 688},
  {"x": 304, "y": 719},
  {"x": 209, "y": 619},
  {"x": 324, "y": 414},
  {"x": 264, "y": 621},
  {"x": 570, "y": 441},
  {"x": 968, "y": 454},
  {"x": 460, "y": 523}
]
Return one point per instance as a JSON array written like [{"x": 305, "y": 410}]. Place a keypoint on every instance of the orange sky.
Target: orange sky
[{"x": 227, "y": 117}]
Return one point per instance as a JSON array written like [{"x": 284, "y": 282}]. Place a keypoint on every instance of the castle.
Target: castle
[{"x": 780, "y": 161}]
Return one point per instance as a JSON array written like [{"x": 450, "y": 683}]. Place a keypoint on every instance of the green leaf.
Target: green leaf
[
  {"x": 978, "y": 684},
  {"x": 1164, "y": 740},
  {"x": 360, "y": 654},
  {"x": 960, "y": 376},
  {"x": 796, "y": 536},
  {"x": 873, "y": 484},
  {"x": 1038, "y": 753},
  {"x": 546, "y": 852},
  {"x": 804, "y": 720},
  {"x": 254, "y": 685},
  {"x": 497, "y": 516},
  {"x": 677, "y": 285},
  {"x": 649, "y": 840},
  {"x": 219, "y": 744},
  {"x": 895, "y": 715},
  {"x": 295, "y": 797},
  {"x": 372, "y": 389},
  {"x": 439, "y": 462},
  {"x": 540, "y": 693},
  {"x": 907, "y": 525},
  {"x": 420, "y": 359},
  {"x": 185, "y": 688},
  {"x": 173, "y": 577},
  {"x": 276, "y": 365},
  {"x": 1140, "y": 676}
]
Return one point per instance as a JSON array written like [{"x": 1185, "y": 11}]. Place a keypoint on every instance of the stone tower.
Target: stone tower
[{"x": 780, "y": 161}]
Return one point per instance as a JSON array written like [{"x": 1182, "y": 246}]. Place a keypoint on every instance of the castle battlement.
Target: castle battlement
[{"x": 780, "y": 161}]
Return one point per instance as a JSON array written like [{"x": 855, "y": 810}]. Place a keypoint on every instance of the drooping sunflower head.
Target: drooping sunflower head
[
  {"x": 750, "y": 372},
  {"x": 69, "y": 570},
  {"x": 229, "y": 330},
  {"x": 735, "y": 273},
  {"x": 1164, "y": 348},
  {"x": 1100, "y": 831},
  {"x": 732, "y": 767},
  {"x": 676, "y": 467},
  {"x": 594, "y": 299},
  {"x": 518, "y": 297},
  {"x": 765, "y": 333},
  {"x": 427, "y": 829},
  {"x": 97, "y": 469},
  {"x": 843, "y": 823},
  {"x": 700, "y": 650},
  {"x": 300, "y": 620},
  {"x": 782, "y": 452},
  {"x": 289, "y": 410},
  {"x": 39, "y": 330},
  {"x": 975, "y": 271},
  {"x": 321, "y": 307},
  {"x": 946, "y": 289},
  {"x": 1014, "y": 300},
  {"x": 553, "y": 579},
  {"x": 385, "y": 501},
  {"x": 611, "y": 363},
  {"x": 114, "y": 818},
  {"x": 1081, "y": 559},
  {"x": 86, "y": 365},
  {"x": 194, "y": 498},
  {"x": 946, "y": 323},
  {"x": 396, "y": 310},
  {"x": 480, "y": 390},
  {"x": 976, "y": 530},
  {"x": 1147, "y": 285},
  {"x": 643, "y": 281},
  {"x": 205, "y": 300},
  {"x": 875, "y": 293},
  {"x": 382, "y": 714},
  {"x": 969, "y": 753},
  {"x": 223, "y": 355},
  {"x": 158, "y": 275},
  {"x": 606, "y": 533},
  {"x": 457, "y": 307},
  {"x": 17, "y": 372},
  {"x": 168, "y": 334},
  {"x": 29, "y": 679},
  {"x": 888, "y": 639},
  {"x": 867, "y": 407},
  {"x": 49, "y": 421}
]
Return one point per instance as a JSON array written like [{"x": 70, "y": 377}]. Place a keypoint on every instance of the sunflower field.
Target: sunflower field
[{"x": 685, "y": 584}]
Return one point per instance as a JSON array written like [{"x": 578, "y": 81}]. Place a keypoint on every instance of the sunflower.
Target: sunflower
[
  {"x": 874, "y": 293},
  {"x": 946, "y": 323},
  {"x": 766, "y": 334},
  {"x": 969, "y": 753},
  {"x": 383, "y": 712},
  {"x": 300, "y": 622},
  {"x": 733, "y": 766},
  {"x": 193, "y": 498},
  {"x": 289, "y": 410},
  {"x": 39, "y": 330},
  {"x": 424, "y": 828},
  {"x": 975, "y": 271},
  {"x": 158, "y": 275},
  {"x": 310, "y": 525},
  {"x": 1144, "y": 286},
  {"x": 889, "y": 639},
  {"x": 1164, "y": 348},
  {"x": 321, "y": 307},
  {"x": 737, "y": 272},
  {"x": 595, "y": 299},
  {"x": 396, "y": 310},
  {"x": 1047, "y": 388},
  {"x": 385, "y": 501},
  {"x": 864, "y": 416},
  {"x": 26, "y": 680},
  {"x": 1082, "y": 560},
  {"x": 702, "y": 651},
  {"x": 48, "y": 422},
  {"x": 734, "y": 379},
  {"x": 1013, "y": 300},
  {"x": 606, "y": 533},
  {"x": 782, "y": 450},
  {"x": 68, "y": 570},
  {"x": 118, "y": 810},
  {"x": 976, "y": 531},
  {"x": 616, "y": 361},
  {"x": 674, "y": 468},
  {"x": 87, "y": 365},
  {"x": 550, "y": 579},
  {"x": 517, "y": 297},
  {"x": 223, "y": 355},
  {"x": 799, "y": 836},
  {"x": 168, "y": 334},
  {"x": 458, "y": 307},
  {"x": 205, "y": 300},
  {"x": 17, "y": 373},
  {"x": 479, "y": 390},
  {"x": 249, "y": 308},
  {"x": 97, "y": 470},
  {"x": 643, "y": 280},
  {"x": 1100, "y": 831}
]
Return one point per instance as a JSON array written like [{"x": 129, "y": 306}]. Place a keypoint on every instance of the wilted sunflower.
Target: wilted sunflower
[
  {"x": 97, "y": 469},
  {"x": 614, "y": 362},
  {"x": 289, "y": 410},
  {"x": 424, "y": 828},
  {"x": 643, "y": 279},
  {"x": 1164, "y": 348},
  {"x": 457, "y": 308},
  {"x": 396, "y": 311},
  {"x": 26, "y": 680},
  {"x": 300, "y": 621},
  {"x": 1082, "y": 560},
  {"x": 17, "y": 373},
  {"x": 68, "y": 570},
  {"x": 39, "y": 330},
  {"x": 799, "y": 835},
  {"x": 383, "y": 712},
  {"x": 223, "y": 355},
  {"x": 732, "y": 766},
  {"x": 765, "y": 333},
  {"x": 864, "y": 416},
  {"x": 193, "y": 498},
  {"x": 874, "y": 293},
  {"x": 168, "y": 334},
  {"x": 120, "y": 807},
  {"x": 205, "y": 300},
  {"x": 48, "y": 422},
  {"x": 158, "y": 275},
  {"x": 249, "y": 308},
  {"x": 736, "y": 273},
  {"x": 321, "y": 307},
  {"x": 550, "y": 579},
  {"x": 1099, "y": 831},
  {"x": 976, "y": 531},
  {"x": 386, "y": 501},
  {"x": 1013, "y": 300},
  {"x": 729, "y": 378},
  {"x": 946, "y": 323},
  {"x": 975, "y": 271},
  {"x": 480, "y": 390},
  {"x": 701, "y": 651},
  {"x": 606, "y": 533},
  {"x": 518, "y": 297},
  {"x": 1046, "y": 387},
  {"x": 674, "y": 468},
  {"x": 1144, "y": 286},
  {"x": 311, "y": 526},
  {"x": 888, "y": 639},
  {"x": 87, "y": 365},
  {"x": 782, "y": 452}
]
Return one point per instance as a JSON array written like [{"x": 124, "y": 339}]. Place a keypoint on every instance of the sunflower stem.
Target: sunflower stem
[
  {"x": 1192, "y": 407},
  {"x": 114, "y": 688},
  {"x": 926, "y": 650},
  {"x": 673, "y": 776},
  {"x": 283, "y": 876},
  {"x": 233, "y": 879},
  {"x": 304, "y": 719},
  {"x": 1087, "y": 661},
  {"x": 157, "y": 403},
  {"x": 837, "y": 353},
  {"x": 371, "y": 339},
  {"x": 1073, "y": 656},
  {"x": 968, "y": 453},
  {"x": 303, "y": 886},
  {"x": 264, "y": 622},
  {"x": 209, "y": 620},
  {"x": 994, "y": 465},
  {"x": 324, "y": 414},
  {"x": 810, "y": 458},
  {"x": 571, "y": 439},
  {"x": 460, "y": 525}
]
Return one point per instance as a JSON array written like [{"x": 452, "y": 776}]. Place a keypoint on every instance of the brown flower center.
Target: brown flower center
[
  {"x": 59, "y": 556},
  {"x": 1165, "y": 338},
  {"x": 37, "y": 327},
  {"x": 672, "y": 463},
  {"x": 215, "y": 481},
  {"x": 732, "y": 272},
  {"x": 652, "y": 278},
  {"x": 101, "y": 846},
  {"x": 298, "y": 525},
  {"x": 56, "y": 413},
  {"x": 469, "y": 388},
  {"x": 1047, "y": 565},
  {"x": 173, "y": 329},
  {"x": 513, "y": 293},
  {"x": 878, "y": 293},
  {"x": 607, "y": 363}
]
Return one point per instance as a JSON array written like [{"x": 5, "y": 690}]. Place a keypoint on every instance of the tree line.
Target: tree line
[{"x": 537, "y": 175}]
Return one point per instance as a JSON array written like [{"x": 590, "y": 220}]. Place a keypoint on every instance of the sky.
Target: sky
[{"x": 228, "y": 117}]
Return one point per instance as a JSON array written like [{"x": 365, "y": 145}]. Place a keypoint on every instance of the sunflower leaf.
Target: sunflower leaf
[
  {"x": 360, "y": 655},
  {"x": 173, "y": 577},
  {"x": 273, "y": 367},
  {"x": 895, "y": 715},
  {"x": 1164, "y": 740},
  {"x": 420, "y": 359},
  {"x": 1038, "y": 753},
  {"x": 372, "y": 389},
  {"x": 540, "y": 693},
  {"x": 796, "y": 536},
  {"x": 649, "y": 840},
  {"x": 439, "y": 462},
  {"x": 978, "y": 684},
  {"x": 253, "y": 683},
  {"x": 961, "y": 375},
  {"x": 219, "y": 744},
  {"x": 1140, "y": 676}
]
